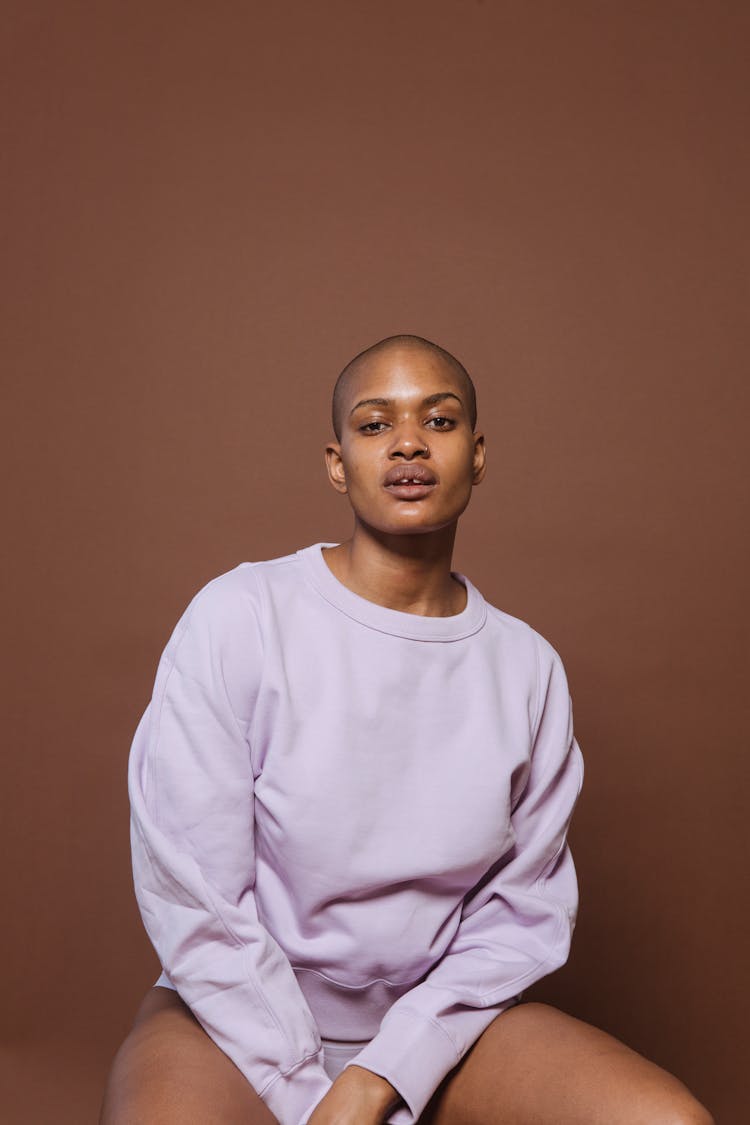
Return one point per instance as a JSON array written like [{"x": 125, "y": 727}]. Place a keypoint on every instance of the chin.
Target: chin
[{"x": 408, "y": 526}]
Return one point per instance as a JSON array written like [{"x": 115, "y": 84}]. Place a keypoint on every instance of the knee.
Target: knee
[
  {"x": 699, "y": 1115},
  {"x": 688, "y": 1112}
]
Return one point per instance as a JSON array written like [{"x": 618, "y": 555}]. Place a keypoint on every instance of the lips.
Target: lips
[
  {"x": 409, "y": 482},
  {"x": 409, "y": 475}
]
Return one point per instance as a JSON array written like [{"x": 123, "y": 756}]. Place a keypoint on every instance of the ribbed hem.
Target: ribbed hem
[
  {"x": 346, "y": 1012},
  {"x": 414, "y": 1057},
  {"x": 292, "y": 1097}
]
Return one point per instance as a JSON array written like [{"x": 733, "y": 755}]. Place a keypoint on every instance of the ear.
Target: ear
[
  {"x": 480, "y": 458},
  {"x": 335, "y": 466}
]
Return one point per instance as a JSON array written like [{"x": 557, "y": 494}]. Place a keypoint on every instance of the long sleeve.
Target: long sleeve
[
  {"x": 516, "y": 923},
  {"x": 190, "y": 781}
]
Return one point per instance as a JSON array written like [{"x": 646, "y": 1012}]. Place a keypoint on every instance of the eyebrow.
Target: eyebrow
[{"x": 429, "y": 401}]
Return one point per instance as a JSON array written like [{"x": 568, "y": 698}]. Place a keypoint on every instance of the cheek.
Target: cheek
[
  {"x": 363, "y": 475},
  {"x": 361, "y": 491},
  {"x": 461, "y": 474}
]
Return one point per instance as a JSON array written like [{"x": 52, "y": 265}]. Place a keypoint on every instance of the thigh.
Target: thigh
[
  {"x": 535, "y": 1065},
  {"x": 168, "y": 1070}
]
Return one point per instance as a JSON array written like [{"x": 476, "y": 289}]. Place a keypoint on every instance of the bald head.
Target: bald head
[{"x": 394, "y": 344}]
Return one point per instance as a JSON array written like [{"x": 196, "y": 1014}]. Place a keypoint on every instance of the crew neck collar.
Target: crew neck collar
[{"x": 414, "y": 626}]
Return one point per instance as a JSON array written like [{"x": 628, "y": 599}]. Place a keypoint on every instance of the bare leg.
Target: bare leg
[
  {"x": 535, "y": 1065},
  {"x": 168, "y": 1070}
]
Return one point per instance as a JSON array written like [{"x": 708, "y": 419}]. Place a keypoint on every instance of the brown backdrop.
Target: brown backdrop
[{"x": 209, "y": 208}]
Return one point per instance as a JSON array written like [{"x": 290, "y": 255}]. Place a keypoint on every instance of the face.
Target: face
[{"x": 407, "y": 458}]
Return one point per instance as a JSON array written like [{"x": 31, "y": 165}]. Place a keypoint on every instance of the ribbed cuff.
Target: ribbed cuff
[
  {"x": 414, "y": 1055},
  {"x": 292, "y": 1097}
]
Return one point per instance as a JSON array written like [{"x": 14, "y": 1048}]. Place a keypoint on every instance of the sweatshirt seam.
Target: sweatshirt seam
[
  {"x": 235, "y": 941},
  {"x": 541, "y": 882},
  {"x": 234, "y": 938},
  {"x": 562, "y": 922},
  {"x": 431, "y": 1021},
  {"x": 538, "y": 701},
  {"x": 187, "y": 617},
  {"x": 286, "y": 1073},
  {"x": 486, "y": 998},
  {"x": 556, "y": 764},
  {"x": 358, "y": 987},
  {"x": 261, "y": 994},
  {"x": 517, "y": 799},
  {"x": 394, "y": 633},
  {"x": 171, "y": 660},
  {"x": 257, "y": 985},
  {"x": 262, "y": 617}
]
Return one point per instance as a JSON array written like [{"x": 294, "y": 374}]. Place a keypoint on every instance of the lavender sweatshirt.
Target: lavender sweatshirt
[{"x": 350, "y": 822}]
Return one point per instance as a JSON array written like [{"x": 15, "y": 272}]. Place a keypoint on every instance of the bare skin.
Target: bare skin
[
  {"x": 402, "y": 409},
  {"x": 169, "y": 1070},
  {"x": 534, "y": 1065}
]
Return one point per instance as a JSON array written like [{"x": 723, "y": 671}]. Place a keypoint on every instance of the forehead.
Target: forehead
[{"x": 403, "y": 375}]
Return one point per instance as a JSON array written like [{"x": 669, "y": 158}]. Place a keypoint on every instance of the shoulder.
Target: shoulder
[
  {"x": 522, "y": 637},
  {"x": 217, "y": 644},
  {"x": 223, "y": 600},
  {"x": 239, "y": 592},
  {"x": 234, "y": 605},
  {"x": 526, "y": 647}
]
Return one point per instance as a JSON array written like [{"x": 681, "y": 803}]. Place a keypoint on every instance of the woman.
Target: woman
[{"x": 350, "y": 798}]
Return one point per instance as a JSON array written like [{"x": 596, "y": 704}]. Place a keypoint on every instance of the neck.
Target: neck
[{"x": 411, "y": 573}]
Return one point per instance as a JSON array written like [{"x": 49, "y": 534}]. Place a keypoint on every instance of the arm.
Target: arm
[
  {"x": 516, "y": 923},
  {"x": 357, "y": 1097},
  {"x": 191, "y": 784}
]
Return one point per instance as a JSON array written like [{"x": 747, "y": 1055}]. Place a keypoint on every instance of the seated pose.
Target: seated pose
[{"x": 350, "y": 797}]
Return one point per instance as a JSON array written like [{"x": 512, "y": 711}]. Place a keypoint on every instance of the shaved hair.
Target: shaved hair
[{"x": 396, "y": 343}]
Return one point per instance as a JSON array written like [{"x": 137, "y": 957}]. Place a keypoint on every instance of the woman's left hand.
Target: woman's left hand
[{"x": 357, "y": 1097}]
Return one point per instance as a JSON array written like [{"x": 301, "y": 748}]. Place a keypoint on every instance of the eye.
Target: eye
[
  {"x": 367, "y": 427},
  {"x": 444, "y": 423}
]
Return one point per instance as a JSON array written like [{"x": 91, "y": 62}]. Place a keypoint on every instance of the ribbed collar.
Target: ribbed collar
[{"x": 412, "y": 625}]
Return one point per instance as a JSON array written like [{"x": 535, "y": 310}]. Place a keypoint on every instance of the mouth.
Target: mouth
[{"x": 409, "y": 482}]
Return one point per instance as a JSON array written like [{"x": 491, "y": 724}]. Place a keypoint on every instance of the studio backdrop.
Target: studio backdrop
[{"x": 208, "y": 209}]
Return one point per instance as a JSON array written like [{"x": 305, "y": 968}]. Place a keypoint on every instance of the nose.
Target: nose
[{"x": 408, "y": 442}]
